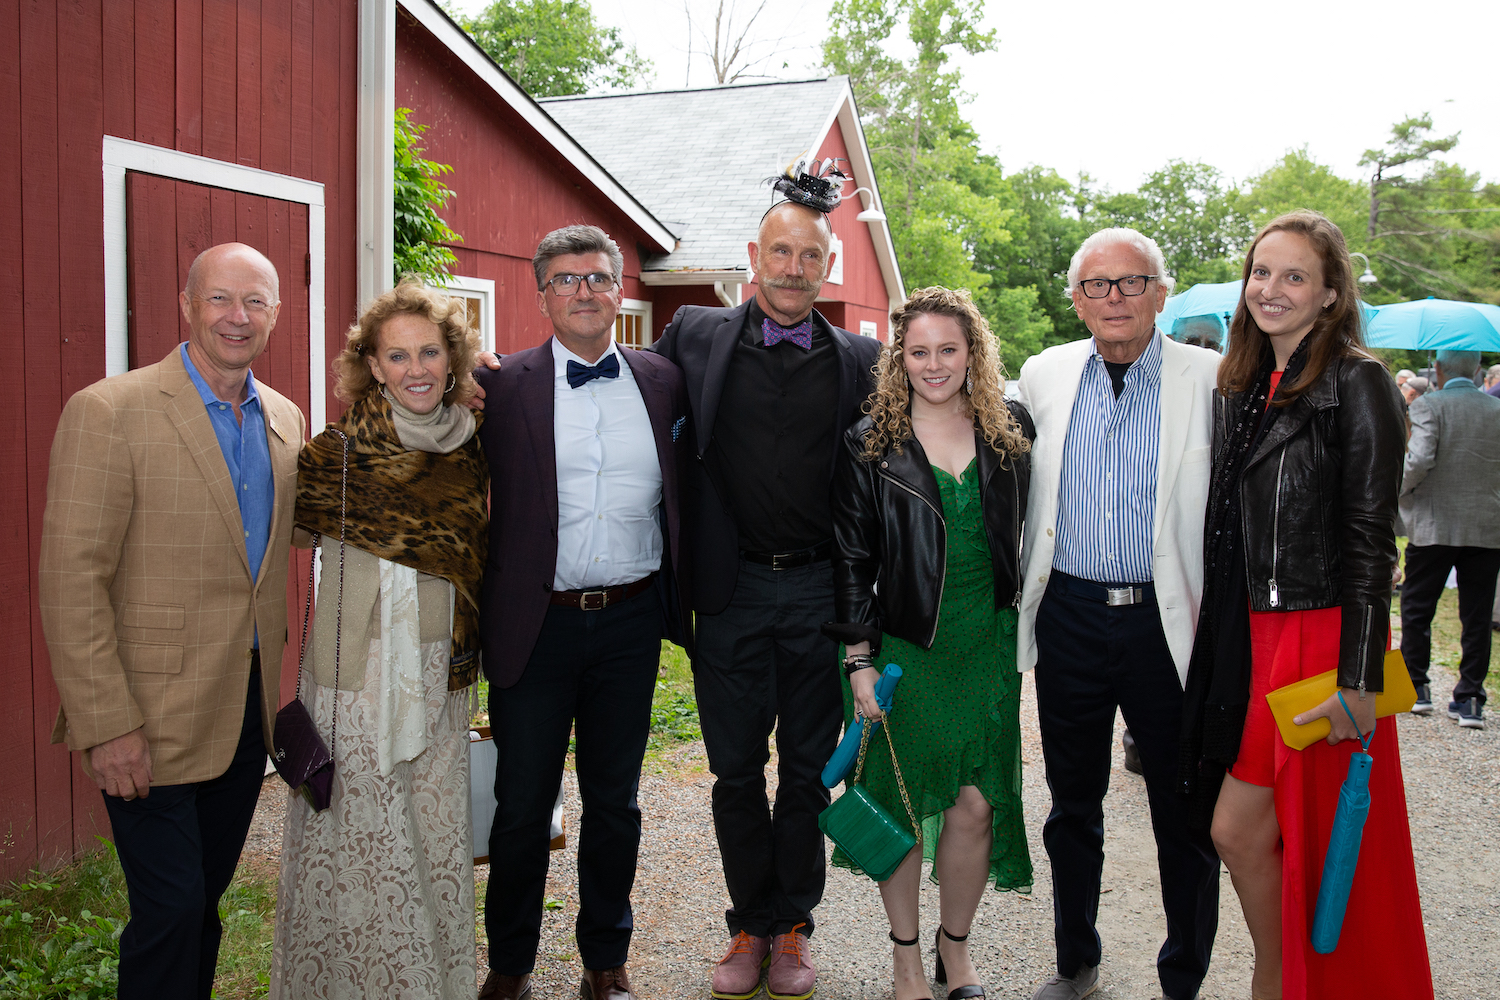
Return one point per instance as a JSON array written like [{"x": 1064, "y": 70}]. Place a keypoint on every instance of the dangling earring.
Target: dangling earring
[
  {"x": 452, "y": 381},
  {"x": 968, "y": 381}
]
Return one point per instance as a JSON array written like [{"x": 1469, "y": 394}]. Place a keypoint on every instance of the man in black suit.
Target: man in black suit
[
  {"x": 585, "y": 576},
  {"x": 773, "y": 386}
]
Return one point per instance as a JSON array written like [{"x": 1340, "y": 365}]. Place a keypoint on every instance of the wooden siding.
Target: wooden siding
[
  {"x": 265, "y": 83},
  {"x": 512, "y": 188}
]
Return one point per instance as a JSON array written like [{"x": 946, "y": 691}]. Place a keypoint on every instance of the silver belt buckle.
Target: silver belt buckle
[
  {"x": 602, "y": 595},
  {"x": 1119, "y": 596}
]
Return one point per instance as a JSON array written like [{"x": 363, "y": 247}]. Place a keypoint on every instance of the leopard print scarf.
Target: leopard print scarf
[{"x": 416, "y": 508}]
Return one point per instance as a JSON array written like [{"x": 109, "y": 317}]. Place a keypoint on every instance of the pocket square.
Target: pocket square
[{"x": 677, "y": 427}]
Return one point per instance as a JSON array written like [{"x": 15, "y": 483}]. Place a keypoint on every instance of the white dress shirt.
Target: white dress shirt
[{"x": 608, "y": 479}]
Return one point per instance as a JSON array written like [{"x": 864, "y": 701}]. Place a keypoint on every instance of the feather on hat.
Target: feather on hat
[{"x": 812, "y": 183}]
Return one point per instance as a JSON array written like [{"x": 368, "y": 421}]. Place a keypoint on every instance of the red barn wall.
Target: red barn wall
[
  {"x": 667, "y": 299},
  {"x": 512, "y": 188},
  {"x": 270, "y": 84}
]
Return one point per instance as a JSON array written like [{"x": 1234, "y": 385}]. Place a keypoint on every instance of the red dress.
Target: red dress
[{"x": 1382, "y": 950}]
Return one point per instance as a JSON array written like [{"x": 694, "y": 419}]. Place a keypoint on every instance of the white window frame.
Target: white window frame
[
  {"x": 122, "y": 155},
  {"x": 641, "y": 308},
  {"x": 484, "y": 290},
  {"x": 867, "y": 328}
]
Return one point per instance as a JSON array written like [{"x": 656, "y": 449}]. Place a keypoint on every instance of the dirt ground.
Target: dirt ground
[{"x": 1453, "y": 787}]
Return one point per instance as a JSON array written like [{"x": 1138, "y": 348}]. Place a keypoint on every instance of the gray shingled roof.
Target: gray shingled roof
[{"x": 697, "y": 159}]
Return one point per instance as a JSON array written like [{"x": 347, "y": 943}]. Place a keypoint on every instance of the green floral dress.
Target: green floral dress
[{"x": 955, "y": 720}]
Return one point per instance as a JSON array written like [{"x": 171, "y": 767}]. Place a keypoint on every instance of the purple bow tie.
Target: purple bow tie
[{"x": 773, "y": 333}]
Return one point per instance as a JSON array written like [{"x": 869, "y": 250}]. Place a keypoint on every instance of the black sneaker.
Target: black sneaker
[
  {"x": 1132, "y": 755},
  {"x": 1423, "y": 704},
  {"x": 1468, "y": 713}
]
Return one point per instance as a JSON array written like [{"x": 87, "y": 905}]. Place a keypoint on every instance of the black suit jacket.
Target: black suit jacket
[
  {"x": 701, "y": 340},
  {"x": 517, "y": 436}
]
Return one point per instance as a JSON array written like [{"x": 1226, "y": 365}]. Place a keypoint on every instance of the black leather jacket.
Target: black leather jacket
[
  {"x": 1318, "y": 508},
  {"x": 889, "y": 534}
]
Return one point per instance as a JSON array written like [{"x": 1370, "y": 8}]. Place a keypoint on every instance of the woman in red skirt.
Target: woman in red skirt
[{"x": 1300, "y": 548}]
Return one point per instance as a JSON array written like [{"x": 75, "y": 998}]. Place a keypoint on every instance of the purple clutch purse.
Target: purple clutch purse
[{"x": 302, "y": 759}]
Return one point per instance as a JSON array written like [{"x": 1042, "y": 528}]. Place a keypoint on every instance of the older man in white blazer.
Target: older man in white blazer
[{"x": 1113, "y": 575}]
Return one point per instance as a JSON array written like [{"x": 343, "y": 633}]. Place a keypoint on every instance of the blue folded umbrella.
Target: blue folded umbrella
[
  {"x": 1343, "y": 854},
  {"x": 847, "y": 752}
]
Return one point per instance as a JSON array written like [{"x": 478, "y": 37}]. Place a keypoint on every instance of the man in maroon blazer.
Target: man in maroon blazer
[{"x": 585, "y": 577}]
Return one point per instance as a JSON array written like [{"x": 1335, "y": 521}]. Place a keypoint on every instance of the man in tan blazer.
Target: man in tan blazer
[{"x": 163, "y": 597}]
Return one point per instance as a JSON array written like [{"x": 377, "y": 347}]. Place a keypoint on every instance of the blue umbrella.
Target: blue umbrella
[
  {"x": 1343, "y": 854},
  {"x": 1435, "y": 325},
  {"x": 1215, "y": 299}
]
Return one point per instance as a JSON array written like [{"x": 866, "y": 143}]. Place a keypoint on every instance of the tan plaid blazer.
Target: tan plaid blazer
[{"x": 146, "y": 596}]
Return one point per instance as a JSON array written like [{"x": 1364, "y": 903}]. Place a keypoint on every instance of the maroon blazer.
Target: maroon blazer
[{"x": 518, "y": 442}]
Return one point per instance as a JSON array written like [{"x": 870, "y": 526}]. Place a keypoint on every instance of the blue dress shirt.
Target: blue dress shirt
[{"x": 249, "y": 459}]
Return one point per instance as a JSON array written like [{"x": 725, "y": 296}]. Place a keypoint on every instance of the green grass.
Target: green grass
[
  {"x": 674, "y": 708},
  {"x": 60, "y": 932}
]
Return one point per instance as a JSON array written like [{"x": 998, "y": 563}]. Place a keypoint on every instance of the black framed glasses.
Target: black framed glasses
[
  {"x": 564, "y": 285},
  {"x": 1130, "y": 285}
]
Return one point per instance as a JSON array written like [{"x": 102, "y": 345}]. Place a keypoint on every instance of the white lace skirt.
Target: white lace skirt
[{"x": 377, "y": 891}]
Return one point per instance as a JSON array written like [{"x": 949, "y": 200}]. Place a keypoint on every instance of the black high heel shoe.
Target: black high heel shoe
[
  {"x": 941, "y": 973},
  {"x": 905, "y": 944}
]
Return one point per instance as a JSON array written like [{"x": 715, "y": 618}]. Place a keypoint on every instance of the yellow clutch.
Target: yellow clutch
[{"x": 1291, "y": 701}]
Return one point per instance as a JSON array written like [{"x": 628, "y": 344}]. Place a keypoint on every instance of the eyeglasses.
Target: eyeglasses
[
  {"x": 1130, "y": 285},
  {"x": 567, "y": 284}
]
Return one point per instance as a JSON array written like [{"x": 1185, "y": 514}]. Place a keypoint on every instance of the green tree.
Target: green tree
[
  {"x": 554, "y": 48},
  {"x": 1190, "y": 210},
  {"x": 1298, "y": 181},
  {"x": 939, "y": 188},
  {"x": 420, "y": 231},
  {"x": 1433, "y": 225},
  {"x": 948, "y": 203},
  {"x": 1045, "y": 231}
]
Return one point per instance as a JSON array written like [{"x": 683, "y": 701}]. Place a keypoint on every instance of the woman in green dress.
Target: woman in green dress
[{"x": 929, "y": 493}]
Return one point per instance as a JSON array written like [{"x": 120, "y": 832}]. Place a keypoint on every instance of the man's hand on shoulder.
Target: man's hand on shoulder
[
  {"x": 490, "y": 360},
  {"x": 122, "y": 766}
]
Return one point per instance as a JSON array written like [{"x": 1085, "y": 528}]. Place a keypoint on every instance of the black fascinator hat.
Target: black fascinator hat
[{"x": 814, "y": 184}]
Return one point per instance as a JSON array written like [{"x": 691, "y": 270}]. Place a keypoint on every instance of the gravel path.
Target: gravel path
[{"x": 1453, "y": 787}]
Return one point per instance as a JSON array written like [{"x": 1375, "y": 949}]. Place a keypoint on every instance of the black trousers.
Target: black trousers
[
  {"x": 759, "y": 665},
  {"x": 1427, "y": 569},
  {"x": 178, "y": 847},
  {"x": 593, "y": 672},
  {"x": 1092, "y": 658}
]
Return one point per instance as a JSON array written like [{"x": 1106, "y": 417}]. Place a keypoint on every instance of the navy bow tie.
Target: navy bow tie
[
  {"x": 579, "y": 374},
  {"x": 773, "y": 333}
]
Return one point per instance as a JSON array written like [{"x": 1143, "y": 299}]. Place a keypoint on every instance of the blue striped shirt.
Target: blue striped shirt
[{"x": 1106, "y": 501}]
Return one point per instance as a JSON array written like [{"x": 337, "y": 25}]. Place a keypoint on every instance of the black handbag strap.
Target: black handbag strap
[{"x": 338, "y": 633}]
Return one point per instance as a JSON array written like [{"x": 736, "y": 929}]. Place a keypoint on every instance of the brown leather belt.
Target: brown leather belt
[{"x": 597, "y": 600}]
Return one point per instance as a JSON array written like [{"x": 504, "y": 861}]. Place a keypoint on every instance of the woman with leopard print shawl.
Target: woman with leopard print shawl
[{"x": 377, "y": 891}]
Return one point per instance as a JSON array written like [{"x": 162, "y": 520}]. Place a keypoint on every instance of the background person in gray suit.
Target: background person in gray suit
[{"x": 1450, "y": 503}]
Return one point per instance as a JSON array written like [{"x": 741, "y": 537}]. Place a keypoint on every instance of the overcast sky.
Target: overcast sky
[{"x": 1118, "y": 89}]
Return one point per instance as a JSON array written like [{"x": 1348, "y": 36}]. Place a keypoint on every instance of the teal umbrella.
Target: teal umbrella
[
  {"x": 1435, "y": 325},
  {"x": 1213, "y": 299}
]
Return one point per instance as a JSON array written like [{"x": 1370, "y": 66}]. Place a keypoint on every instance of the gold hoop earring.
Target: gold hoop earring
[{"x": 452, "y": 381}]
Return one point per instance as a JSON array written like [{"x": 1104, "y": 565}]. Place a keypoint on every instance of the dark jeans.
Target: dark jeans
[
  {"x": 759, "y": 665},
  {"x": 178, "y": 847},
  {"x": 1427, "y": 568},
  {"x": 594, "y": 671},
  {"x": 1092, "y": 658}
]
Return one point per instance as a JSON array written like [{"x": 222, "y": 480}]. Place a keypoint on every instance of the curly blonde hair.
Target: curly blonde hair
[
  {"x": 889, "y": 406},
  {"x": 353, "y": 379}
]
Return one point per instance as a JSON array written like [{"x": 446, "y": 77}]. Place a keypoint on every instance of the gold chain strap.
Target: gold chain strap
[{"x": 859, "y": 768}]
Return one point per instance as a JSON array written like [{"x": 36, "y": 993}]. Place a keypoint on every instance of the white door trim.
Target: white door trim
[{"x": 121, "y": 155}]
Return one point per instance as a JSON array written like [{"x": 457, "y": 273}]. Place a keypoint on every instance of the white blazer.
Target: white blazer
[{"x": 1049, "y": 385}]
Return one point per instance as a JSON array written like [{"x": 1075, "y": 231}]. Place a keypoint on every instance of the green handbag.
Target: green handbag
[{"x": 861, "y": 827}]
